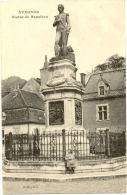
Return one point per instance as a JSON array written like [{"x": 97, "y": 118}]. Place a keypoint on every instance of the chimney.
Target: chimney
[{"x": 83, "y": 79}]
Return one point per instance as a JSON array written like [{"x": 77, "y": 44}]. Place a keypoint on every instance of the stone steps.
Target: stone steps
[{"x": 58, "y": 167}]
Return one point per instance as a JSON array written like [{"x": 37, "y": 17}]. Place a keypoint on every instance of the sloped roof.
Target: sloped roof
[
  {"x": 115, "y": 79},
  {"x": 24, "y": 116},
  {"x": 32, "y": 85},
  {"x": 103, "y": 80},
  {"x": 22, "y": 99}
]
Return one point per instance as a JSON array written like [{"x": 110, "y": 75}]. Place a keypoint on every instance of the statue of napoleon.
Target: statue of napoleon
[{"x": 62, "y": 24}]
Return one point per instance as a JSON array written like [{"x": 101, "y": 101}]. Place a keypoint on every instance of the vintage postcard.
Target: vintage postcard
[{"x": 63, "y": 86}]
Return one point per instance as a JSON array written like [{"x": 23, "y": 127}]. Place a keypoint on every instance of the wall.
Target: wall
[
  {"x": 32, "y": 128},
  {"x": 15, "y": 129},
  {"x": 24, "y": 128},
  {"x": 117, "y": 114}
]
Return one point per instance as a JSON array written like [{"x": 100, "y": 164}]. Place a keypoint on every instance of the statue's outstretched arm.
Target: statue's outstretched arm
[{"x": 54, "y": 23}]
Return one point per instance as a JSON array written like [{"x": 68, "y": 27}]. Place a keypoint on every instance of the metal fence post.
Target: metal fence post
[
  {"x": 108, "y": 152},
  {"x": 124, "y": 143},
  {"x": 64, "y": 143},
  {"x": 8, "y": 146}
]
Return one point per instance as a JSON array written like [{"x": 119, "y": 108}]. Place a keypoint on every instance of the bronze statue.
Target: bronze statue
[{"x": 62, "y": 24}]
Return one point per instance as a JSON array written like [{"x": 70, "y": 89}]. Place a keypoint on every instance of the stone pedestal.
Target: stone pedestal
[{"x": 63, "y": 95}]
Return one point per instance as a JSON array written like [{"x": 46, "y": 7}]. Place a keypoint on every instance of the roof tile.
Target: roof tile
[
  {"x": 115, "y": 79},
  {"x": 22, "y": 99}
]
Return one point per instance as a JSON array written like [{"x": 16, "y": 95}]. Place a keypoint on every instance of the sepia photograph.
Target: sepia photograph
[{"x": 63, "y": 97}]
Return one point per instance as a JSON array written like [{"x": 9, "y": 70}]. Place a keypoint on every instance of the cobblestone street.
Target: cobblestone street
[{"x": 112, "y": 185}]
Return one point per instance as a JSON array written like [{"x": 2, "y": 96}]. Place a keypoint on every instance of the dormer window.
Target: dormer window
[
  {"x": 103, "y": 87},
  {"x": 101, "y": 90}
]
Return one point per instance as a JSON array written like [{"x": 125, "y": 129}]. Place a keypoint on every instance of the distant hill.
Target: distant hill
[{"x": 11, "y": 83}]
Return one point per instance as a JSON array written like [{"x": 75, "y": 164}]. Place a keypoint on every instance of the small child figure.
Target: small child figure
[{"x": 70, "y": 163}]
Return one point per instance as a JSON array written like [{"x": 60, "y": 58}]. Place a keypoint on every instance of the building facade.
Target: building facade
[
  {"x": 23, "y": 112},
  {"x": 105, "y": 100}
]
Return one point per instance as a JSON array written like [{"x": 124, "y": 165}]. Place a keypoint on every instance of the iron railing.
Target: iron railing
[{"x": 53, "y": 146}]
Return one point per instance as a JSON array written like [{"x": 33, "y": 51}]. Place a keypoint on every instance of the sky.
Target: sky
[{"x": 97, "y": 32}]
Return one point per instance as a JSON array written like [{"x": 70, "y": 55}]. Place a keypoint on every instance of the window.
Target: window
[
  {"x": 102, "y": 132},
  {"x": 56, "y": 113},
  {"x": 101, "y": 90},
  {"x": 102, "y": 112}
]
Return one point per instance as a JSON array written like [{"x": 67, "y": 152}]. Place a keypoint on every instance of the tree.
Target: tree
[
  {"x": 112, "y": 62},
  {"x": 116, "y": 61},
  {"x": 11, "y": 83}
]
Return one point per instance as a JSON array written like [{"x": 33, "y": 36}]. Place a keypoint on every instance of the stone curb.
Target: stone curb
[{"x": 68, "y": 178}]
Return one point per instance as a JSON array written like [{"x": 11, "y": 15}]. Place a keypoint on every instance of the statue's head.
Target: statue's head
[{"x": 60, "y": 8}]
